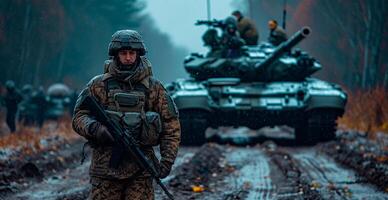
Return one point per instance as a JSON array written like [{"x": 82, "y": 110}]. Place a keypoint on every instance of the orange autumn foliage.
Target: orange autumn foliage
[{"x": 366, "y": 111}]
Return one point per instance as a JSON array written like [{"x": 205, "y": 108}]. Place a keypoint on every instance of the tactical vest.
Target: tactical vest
[{"x": 127, "y": 104}]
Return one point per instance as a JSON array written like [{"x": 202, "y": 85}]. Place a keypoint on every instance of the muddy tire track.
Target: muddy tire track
[
  {"x": 252, "y": 179},
  {"x": 197, "y": 177},
  {"x": 331, "y": 180},
  {"x": 297, "y": 185}
]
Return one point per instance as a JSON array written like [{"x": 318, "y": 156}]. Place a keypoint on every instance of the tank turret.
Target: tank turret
[{"x": 254, "y": 63}]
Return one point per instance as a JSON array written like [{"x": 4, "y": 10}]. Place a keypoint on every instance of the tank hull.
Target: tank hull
[{"x": 229, "y": 102}]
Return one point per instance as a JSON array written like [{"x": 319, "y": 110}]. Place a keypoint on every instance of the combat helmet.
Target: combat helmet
[
  {"x": 10, "y": 84},
  {"x": 210, "y": 38},
  {"x": 230, "y": 24},
  {"x": 126, "y": 39}
]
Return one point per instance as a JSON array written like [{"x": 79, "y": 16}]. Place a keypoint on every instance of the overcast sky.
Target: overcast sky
[{"x": 177, "y": 18}]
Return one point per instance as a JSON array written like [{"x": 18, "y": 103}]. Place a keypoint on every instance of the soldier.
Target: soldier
[
  {"x": 246, "y": 28},
  {"x": 231, "y": 41},
  {"x": 11, "y": 101},
  {"x": 277, "y": 35},
  {"x": 38, "y": 99},
  {"x": 213, "y": 41},
  {"x": 27, "y": 110},
  {"x": 141, "y": 104}
]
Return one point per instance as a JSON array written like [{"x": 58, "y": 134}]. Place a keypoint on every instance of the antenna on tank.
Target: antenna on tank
[
  {"x": 208, "y": 10},
  {"x": 250, "y": 8},
  {"x": 284, "y": 14}
]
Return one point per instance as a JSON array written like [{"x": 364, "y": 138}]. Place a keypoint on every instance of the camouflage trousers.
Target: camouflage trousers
[{"x": 139, "y": 188}]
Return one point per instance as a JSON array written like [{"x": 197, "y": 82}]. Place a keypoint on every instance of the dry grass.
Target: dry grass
[
  {"x": 31, "y": 140},
  {"x": 367, "y": 111}
]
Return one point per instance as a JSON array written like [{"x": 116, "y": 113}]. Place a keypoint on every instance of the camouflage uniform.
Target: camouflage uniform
[
  {"x": 136, "y": 188},
  {"x": 277, "y": 36},
  {"x": 247, "y": 30},
  {"x": 128, "y": 180}
]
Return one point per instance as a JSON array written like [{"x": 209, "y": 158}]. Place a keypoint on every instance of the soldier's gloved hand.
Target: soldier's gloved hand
[
  {"x": 165, "y": 168},
  {"x": 101, "y": 133}
]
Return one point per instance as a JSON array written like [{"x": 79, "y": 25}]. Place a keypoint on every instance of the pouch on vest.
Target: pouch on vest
[
  {"x": 126, "y": 100},
  {"x": 151, "y": 132},
  {"x": 130, "y": 120}
]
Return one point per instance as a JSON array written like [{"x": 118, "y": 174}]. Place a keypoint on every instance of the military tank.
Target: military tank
[{"x": 263, "y": 85}]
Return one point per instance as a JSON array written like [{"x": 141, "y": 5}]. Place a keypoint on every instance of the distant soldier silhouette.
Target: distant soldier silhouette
[
  {"x": 38, "y": 100},
  {"x": 11, "y": 101},
  {"x": 27, "y": 110}
]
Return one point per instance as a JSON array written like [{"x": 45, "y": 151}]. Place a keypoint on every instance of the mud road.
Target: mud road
[{"x": 274, "y": 168}]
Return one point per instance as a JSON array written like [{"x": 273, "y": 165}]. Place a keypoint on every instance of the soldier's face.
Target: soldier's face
[
  {"x": 127, "y": 57},
  {"x": 271, "y": 25}
]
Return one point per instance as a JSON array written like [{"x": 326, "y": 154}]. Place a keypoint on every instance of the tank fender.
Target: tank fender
[
  {"x": 192, "y": 102},
  {"x": 320, "y": 101}
]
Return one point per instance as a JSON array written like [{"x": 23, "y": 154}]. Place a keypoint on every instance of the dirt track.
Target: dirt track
[{"x": 262, "y": 171}]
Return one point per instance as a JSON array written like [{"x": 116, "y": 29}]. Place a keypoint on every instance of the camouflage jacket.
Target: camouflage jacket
[
  {"x": 247, "y": 30},
  {"x": 156, "y": 100},
  {"x": 277, "y": 36}
]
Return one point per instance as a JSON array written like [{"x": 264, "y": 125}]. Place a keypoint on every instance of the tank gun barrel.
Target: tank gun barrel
[{"x": 284, "y": 47}]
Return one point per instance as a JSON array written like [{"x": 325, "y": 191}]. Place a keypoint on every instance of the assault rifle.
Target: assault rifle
[
  {"x": 211, "y": 23},
  {"x": 124, "y": 139}
]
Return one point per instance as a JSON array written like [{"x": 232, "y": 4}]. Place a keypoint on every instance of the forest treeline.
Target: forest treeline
[
  {"x": 47, "y": 41},
  {"x": 350, "y": 38}
]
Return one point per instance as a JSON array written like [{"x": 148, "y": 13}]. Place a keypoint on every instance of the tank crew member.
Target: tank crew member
[
  {"x": 140, "y": 103},
  {"x": 276, "y": 35},
  {"x": 231, "y": 41},
  {"x": 246, "y": 28},
  {"x": 213, "y": 41}
]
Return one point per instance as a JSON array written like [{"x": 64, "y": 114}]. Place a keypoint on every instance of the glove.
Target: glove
[
  {"x": 101, "y": 134},
  {"x": 164, "y": 168}
]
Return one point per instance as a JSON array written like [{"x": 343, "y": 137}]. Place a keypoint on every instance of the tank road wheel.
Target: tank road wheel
[
  {"x": 193, "y": 126},
  {"x": 303, "y": 135},
  {"x": 320, "y": 125},
  {"x": 323, "y": 123}
]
